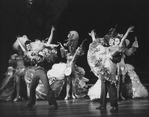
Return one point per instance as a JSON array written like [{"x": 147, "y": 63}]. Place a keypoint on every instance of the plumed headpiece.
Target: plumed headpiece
[
  {"x": 112, "y": 32},
  {"x": 72, "y": 41}
]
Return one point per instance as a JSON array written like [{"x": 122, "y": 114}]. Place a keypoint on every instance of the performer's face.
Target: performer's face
[
  {"x": 111, "y": 41},
  {"x": 117, "y": 41},
  {"x": 28, "y": 47}
]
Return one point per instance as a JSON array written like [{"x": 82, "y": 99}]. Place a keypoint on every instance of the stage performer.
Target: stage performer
[
  {"x": 108, "y": 57},
  {"x": 18, "y": 64},
  {"x": 38, "y": 53},
  {"x": 72, "y": 54},
  {"x": 121, "y": 71},
  {"x": 7, "y": 86}
]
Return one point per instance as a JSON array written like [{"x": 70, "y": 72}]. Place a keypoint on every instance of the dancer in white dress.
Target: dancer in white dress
[{"x": 138, "y": 90}]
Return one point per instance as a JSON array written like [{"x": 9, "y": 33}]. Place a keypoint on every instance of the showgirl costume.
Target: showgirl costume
[
  {"x": 16, "y": 61},
  {"x": 57, "y": 79},
  {"x": 96, "y": 60},
  {"x": 96, "y": 67},
  {"x": 7, "y": 85},
  {"x": 37, "y": 53},
  {"x": 56, "y": 75},
  {"x": 99, "y": 61},
  {"x": 72, "y": 72},
  {"x": 40, "y": 51},
  {"x": 137, "y": 89}
]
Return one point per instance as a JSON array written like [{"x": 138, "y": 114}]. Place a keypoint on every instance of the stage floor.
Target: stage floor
[{"x": 75, "y": 108}]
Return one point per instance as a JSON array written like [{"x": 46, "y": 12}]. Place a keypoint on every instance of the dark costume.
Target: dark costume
[
  {"x": 40, "y": 74},
  {"x": 107, "y": 86},
  {"x": 36, "y": 53}
]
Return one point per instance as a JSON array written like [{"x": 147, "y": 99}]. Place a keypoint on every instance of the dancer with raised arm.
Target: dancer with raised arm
[
  {"x": 106, "y": 68},
  {"x": 96, "y": 46},
  {"x": 72, "y": 71},
  {"x": 38, "y": 53}
]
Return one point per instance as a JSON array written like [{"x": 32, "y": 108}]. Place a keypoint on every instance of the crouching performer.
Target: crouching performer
[
  {"x": 37, "y": 54},
  {"x": 40, "y": 74}
]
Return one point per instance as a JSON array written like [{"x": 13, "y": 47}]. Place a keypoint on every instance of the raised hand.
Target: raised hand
[
  {"x": 130, "y": 29},
  {"x": 92, "y": 33},
  {"x": 53, "y": 28},
  {"x": 59, "y": 43}
]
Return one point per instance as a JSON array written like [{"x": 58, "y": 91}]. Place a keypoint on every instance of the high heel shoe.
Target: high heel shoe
[
  {"x": 101, "y": 107},
  {"x": 114, "y": 109},
  {"x": 73, "y": 96},
  {"x": 17, "y": 99},
  {"x": 67, "y": 97}
]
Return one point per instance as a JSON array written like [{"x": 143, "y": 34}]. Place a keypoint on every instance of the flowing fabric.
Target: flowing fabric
[
  {"x": 96, "y": 57},
  {"x": 95, "y": 91},
  {"x": 56, "y": 77},
  {"x": 99, "y": 60},
  {"x": 7, "y": 88},
  {"x": 55, "y": 83},
  {"x": 81, "y": 87},
  {"x": 56, "y": 80},
  {"x": 138, "y": 90}
]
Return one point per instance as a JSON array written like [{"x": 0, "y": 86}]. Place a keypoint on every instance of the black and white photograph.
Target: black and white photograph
[{"x": 74, "y": 58}]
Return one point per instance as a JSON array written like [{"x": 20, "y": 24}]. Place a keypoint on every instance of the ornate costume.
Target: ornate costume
[
  {"x": 102, "y": 61},
  {"x": 18, "y": 77},
  {"x": 7, "y": 86},
  {"x": 72, "y": 71},
  {"x": 137, "y": 90}
]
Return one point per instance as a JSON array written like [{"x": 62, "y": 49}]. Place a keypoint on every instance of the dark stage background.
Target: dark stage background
[{"x": 19, "y": 18}]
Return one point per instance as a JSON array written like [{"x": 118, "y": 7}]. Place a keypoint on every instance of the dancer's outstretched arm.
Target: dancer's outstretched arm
[
  {"x": 130, "y": 29},
  {"x": 92, "y": 34},
  {"x": 51, "y": 35}
]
